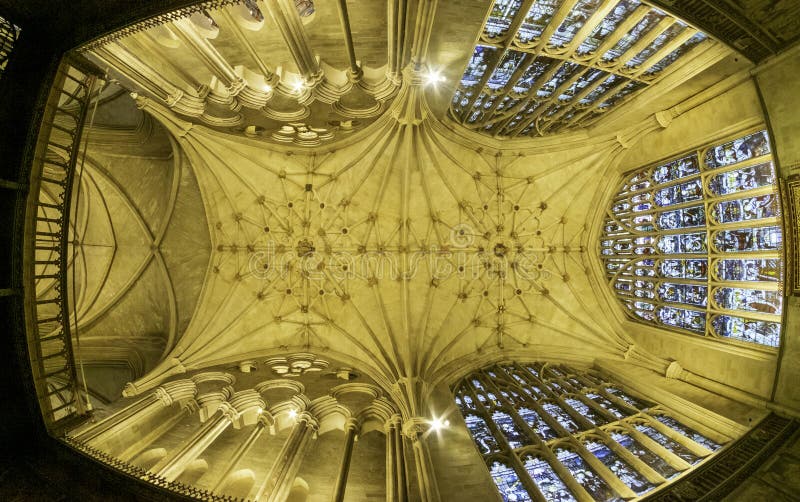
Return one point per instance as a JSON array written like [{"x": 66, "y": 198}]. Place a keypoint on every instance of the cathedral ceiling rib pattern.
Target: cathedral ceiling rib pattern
[{"x": 404, "y": 251}]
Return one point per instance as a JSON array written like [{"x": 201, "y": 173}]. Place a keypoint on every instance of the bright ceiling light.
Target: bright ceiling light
[
  {"x": 433, "y": 77},
  {"x": 438, "y": 424},
  {"x": 292, "y": 414},
  {"x": 298, "y": 86},
  {"x": 267, "y": 88}
]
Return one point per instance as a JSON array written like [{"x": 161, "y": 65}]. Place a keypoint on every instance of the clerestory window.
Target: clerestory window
[{"x": 695, "y": 244}]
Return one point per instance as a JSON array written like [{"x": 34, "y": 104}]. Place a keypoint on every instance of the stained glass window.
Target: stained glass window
[
  {"x": 543, "y": 66},
  {"x": 690, "y": 217},
  {"x": 8, "y": 37},
  {"x": 545, "y": 429}
]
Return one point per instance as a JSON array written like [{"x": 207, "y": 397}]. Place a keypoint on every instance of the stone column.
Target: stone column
[
  {"x": 173, "y": 465},
  {"x": 351, "y": 429},
  {"x": 395, "y": 461},
  {"x": 130, "y": 453},
  {"x": 426, "y": 479},
  {"x": 263, "y": 422},
  {"x": 278, "y": 483},
  {"x": 163, "y": 396}
]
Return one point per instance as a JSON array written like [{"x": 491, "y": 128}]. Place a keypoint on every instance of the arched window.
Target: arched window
[
  {"x": 695, "y": 244},
  {"x": 552, "y": 431}
]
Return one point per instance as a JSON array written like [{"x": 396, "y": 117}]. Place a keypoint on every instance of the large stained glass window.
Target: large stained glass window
[
  {"x": 543, "y": 66},
  {"x": 695, "y": 245},
  {"x": 549, "y": 431}
]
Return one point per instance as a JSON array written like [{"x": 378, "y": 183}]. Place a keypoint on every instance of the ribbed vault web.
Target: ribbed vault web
[{"x": 404, "y": 250}]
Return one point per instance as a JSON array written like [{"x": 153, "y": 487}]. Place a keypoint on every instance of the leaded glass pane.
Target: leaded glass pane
[
  {"x": 634, "y": 35},
  {"x": 683, "y": 293},
  {"x": 503, "y": 12},
  {"x": 682, "y": 318},
  {"x": 673, "y": 56},
  {"x": 547, "y": 480},
  {"x": 585, "y": 476},
  {"x": 508, "y": 483},
  {"x": 661, "y": 40},
  {"x": 577, "y": 17},
  {"x": 747, "y": 330},
  {"x": 630, "y": 400},
  {"x": 619, "y": 467},
  {"x": 740, "y": 180},
  {"x": 537, "y": 424},
  {"x": 682, "y": 218},
  {"x": 607, "y": 26},
  {"x": 748, "y": 239},
  {"x": 669, "y": 443},
  {"x": 676, "y": 169},
  {"x": 537, "y": 18},
  {"x": 684, "y": 269},
  {"x": 678, "y": 194},
  {"x": 481, "y": 434},
  {"x": 478, "y": 64},
  {"x": 503, "y": 72},
  {"x": 561, "y": 416},
  {"x": 693, "y": 243},
  {"x": 739, "y": 150},
  {"x": 687, "y": 432},
  {"x": 753, "y": 269},
  {"x": 658, "y": 464},
  {"x": 753, "y": 300},
  {"x": 515, "y": 437},
  {"x": 605, "y": 403},
  {"x": 585, "y": 411},
  {"x": 750, "y": 208}
]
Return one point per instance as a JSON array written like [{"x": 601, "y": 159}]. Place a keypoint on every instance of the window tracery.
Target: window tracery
[
  {"x": 548, "y": 431},
  {"x": 543, "y": 66},
  {"x": 8, "y": 37},
  {"x": 695, "y": 244}
]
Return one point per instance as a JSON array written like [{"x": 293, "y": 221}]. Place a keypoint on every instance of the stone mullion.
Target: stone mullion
[
  {"x": 534, "y": 404},
  {"x": 350, "y": 436},
  {"x": 480, "y": 87},
  {"x": 583, "y": 423},
  {"x": 591, "y": 107},
  {"x": 546, "y": 76},
  {"x": 665, "y": 50},
  {"x": 642, "y": 43},
  {"x": 587, "y": 28},
  {"x": 678, "y": 437},
  {"x": 619, "y": 402},
  {"x": 512, "y": 411},
  {"x": 624, "y": 27},
  {"x": 506, "y": 449},
  {"x": 576, "y": 488},
  {"x": 548, "y": 102},
  {"x": 597, "y": 407},
  {"x": 651, "y": 444},
  {"x": 604, "y": 472},
  {"x": 516, "y": 22},
  {"x": 240, "y": 452},
  {"x": 131, "y": 452},
  {"x": 147, "y": 45},
  {"x": 552, "y": 26},
  {"x": 632, "y": 460},
  {"x": 502, "y": 96}
]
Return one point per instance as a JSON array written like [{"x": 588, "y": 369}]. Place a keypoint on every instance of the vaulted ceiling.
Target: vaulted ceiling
[{"x": 343, "y": 210}]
